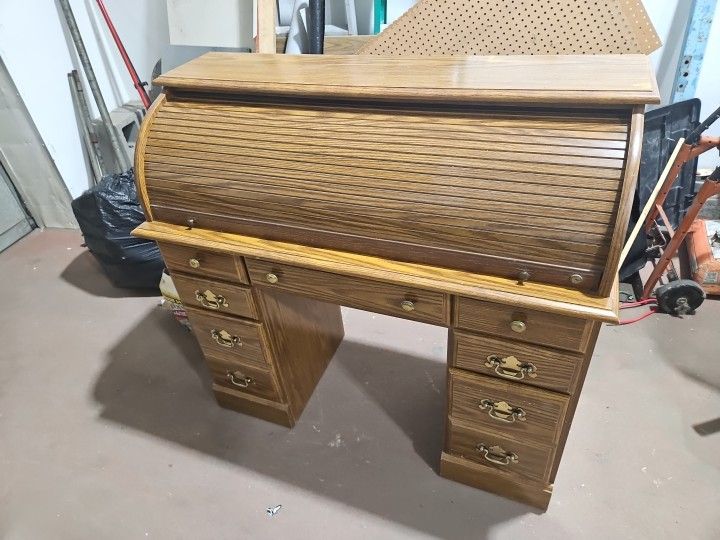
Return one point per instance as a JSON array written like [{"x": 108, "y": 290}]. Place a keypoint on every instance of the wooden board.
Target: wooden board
[
  {"x": 601, "y": 79},
  {"x": 466, "y": 27}
]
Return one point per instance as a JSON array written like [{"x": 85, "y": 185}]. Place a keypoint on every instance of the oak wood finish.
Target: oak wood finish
[
  {"x": 600, "y": 79},
  {"x": 243, "y": 378},
  {"x": 304, "y": 334},
  {"x": 539, "y": 414},
  {"x": 536, "y": 326},
  {"x": 247, "y": 343},
  {"x": 538, "y": 296},
  {"x": 533, "y": 460},
  {"x": 206, "y": 263},
  {"x": 419, "y": 305},
  {"x": 237, "y": 299},
  {"x": 278, "y": 413},
  {"x": 554, "y": 369},
  {"x": 508, "y": 485}
]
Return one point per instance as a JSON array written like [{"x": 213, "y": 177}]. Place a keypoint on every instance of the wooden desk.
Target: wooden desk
[{"x": 265, "y": 238}]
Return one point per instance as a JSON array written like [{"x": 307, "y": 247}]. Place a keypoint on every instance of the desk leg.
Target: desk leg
[{"x": 303, "y": 334}]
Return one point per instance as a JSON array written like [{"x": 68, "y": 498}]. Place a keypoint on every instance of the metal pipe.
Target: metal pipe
[
  {"x": 139, "y": 86},
  {"x": 85, "y": 128},
  {"x": 120, "y": 154},
  {"x": 316, "y": 26}
]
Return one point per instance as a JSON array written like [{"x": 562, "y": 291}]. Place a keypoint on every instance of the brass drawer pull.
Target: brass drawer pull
[
  {"x": 194, "y": 263},
  {"x": 503, "y": 411},
  {"x": 496, "y": 454},
  {"x": 225, "y": 339},
  {"x": 236, "y": 378},
  {"x": 271, "y": 278},
  {"x": 211, "y": 300},
  {"x": 510, "y": 367},
  {"x": 518, "y": 326},
  {"x": 407, "y": 305}
]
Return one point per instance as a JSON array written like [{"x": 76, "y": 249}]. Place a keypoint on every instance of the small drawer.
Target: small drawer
[
  {"x": 396, "y": 300},
  {"x": 243, "y": 378},
  {"x": 517, "y": 362},
  {"x": 204, "y": 263},
  {"x": 516, "y": 410},
  {"x": 215, "y": 296},
  {"x": 229, "y": 339},
  {"x": 493, "y": 450},
  {"x": 523, "y": 324}
]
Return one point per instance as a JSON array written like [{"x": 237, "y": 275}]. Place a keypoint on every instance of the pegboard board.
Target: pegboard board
[{"x": 496, "y": 27}]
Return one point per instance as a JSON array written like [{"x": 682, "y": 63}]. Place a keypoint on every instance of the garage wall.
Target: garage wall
[
  {"x": 37, "y": 52},
  {"x": 35, "y": 48}
]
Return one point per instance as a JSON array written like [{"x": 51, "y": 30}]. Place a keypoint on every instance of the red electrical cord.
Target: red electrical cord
[
  {"x": 139, "y": 86},
  {"x": 627, "y": 305}
]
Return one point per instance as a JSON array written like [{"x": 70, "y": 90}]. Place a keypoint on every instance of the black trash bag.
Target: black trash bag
[{"x": 107, "y": 213}]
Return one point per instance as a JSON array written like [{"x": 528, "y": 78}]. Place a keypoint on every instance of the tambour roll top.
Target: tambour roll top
[{"x": 519, "y": 166}]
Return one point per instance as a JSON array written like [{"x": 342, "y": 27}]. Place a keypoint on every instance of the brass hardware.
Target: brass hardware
[
  {"x": 190, "y": 223},
  {"x": 497, "y": 454},
  {"x": 503, "y": 411},
  {"x": 510, "y": 367},
  {"x": 272, "y": 278},
  {"x": 238, "y": 379},
  {"x": 407, "y": 305},
  {"x": 523, "y": 276},
  {"x": 225, "y": 339},
  {"x": 576, "y": 279},
  {"x": 194, "y": 263},
  {"x": 211, "y": 300},
  {"x": 518, "y": 326}
]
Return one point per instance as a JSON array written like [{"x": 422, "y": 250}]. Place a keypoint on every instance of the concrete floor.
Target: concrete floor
[{"x": 108, "y": 428}]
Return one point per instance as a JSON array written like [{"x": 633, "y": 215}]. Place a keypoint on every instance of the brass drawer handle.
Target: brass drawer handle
[
  {"x": 503, "y": 411},
  {"x": 237, "y": 378},
  {"x": 271, "y": 278},
  {"x": 211, "y": 300},
  {"x": 518, "y": 326},
  {"x": 194, "y": 263},
  {"x": 496, "y": 454},
  {"x": 407, "y": 305},
  {"x": 225, "y": 339},
  {"x": 510, "y": 367}
]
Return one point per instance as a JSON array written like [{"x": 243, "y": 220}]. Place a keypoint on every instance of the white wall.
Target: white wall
[{"x": 37, "y": 51}]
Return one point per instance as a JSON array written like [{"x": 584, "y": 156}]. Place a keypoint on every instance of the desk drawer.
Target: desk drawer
[
  {"x": 229, "y": 339},
  {"x": 215, "y": 296},
  {"x": 517, "y": 362},
  {"x": 243, "y": 378},
  {"x": 495, "y": 451},
  {"x": 204, "y": 263},
  {"x": 516, "y": 410},
  {"x": 523, "y": 324},
  {"x": 396, "y": 300}
]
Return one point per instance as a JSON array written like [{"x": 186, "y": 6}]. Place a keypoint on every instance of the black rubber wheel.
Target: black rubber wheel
[{"x": 680, "y": 297}]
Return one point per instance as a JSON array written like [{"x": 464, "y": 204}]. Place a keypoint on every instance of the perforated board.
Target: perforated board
[{"x": 498, "y": 27}]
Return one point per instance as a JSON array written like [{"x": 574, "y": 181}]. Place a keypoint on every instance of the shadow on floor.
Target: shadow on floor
[
  {"x": 353, "y": 444},
  {"x": 85, "y": 273}
]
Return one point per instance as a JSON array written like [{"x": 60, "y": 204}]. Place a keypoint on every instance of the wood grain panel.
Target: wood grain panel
[
  {"x": 540, "y": 413},
  {"x": 243, "y": 378},
  {"x": 506, "y": 484},
  {"x": 532, "y": 295},
  {"x": 209, "y": 263},
  {"x": 540, "y": 328},
  {"x": 533, "y": 460},
  {"x": 375, "y": 296},
  {"x": 554, "y": 369},
  {"x": 237, "y": 300},
  {"x": 277, "y": 413},
  {"x": 249, "y": 348},
  {"x": 601, "y": 79}
]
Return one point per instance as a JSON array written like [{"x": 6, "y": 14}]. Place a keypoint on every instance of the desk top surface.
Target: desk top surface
[
  {"x": 539, "y": 296},
  {"x": 529, "y": 79}
]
